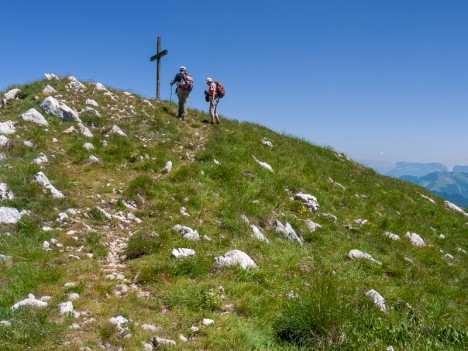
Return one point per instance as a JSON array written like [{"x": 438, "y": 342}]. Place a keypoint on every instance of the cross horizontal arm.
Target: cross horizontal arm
[{"x": 159, "y": 55}]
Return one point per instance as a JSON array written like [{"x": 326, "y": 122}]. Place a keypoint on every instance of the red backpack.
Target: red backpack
[
  {"x": 219, "y": 90},
  {"x": 186, "y": 83}
]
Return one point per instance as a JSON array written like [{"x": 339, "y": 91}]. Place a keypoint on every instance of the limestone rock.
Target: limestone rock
[
  {"x": 207, "y": 322},
  {"x": 92, "y": 102},
  {"x": 378, "y": 300},
  {"x": 308, "y": 201},
  {"x": 30, "y": 301},
  {"x": 32, "y": 115},
  {"x": 5, "y": 193},
  {"x": 168, "y": 167},
  {"x": 55, "y": 108},
  {"x": 4, "y": 140},
  {"x": 120, "y": 322},
  {"x": 100, "y": 87},
  {"x": 392, "y": 236},
  {"x": 267, "y": 143},
  {"x": 188, "y": 232},
  {"x": 10, "y": 95},
  {"x": 233, "y": 258},
  {"x": 116, "y": 130},
  {"x": 157, "y": 341},
  {"x": 7, "y": 127},
  {"x": 75, "y": 84},
  {"x": 41, "y": 178},
  {"x": 264, "y": 165},
  {"x": 49, "y": 90},
  {"x": 9, "y": 215},
  {"x": 50, "y": 76},
  {"x": 356, "y": 255},
  {"x": 455, "y": 207},
  {"x": 178, "y": 253},
  {"x": 416, "y": 239},
  {"x": 257, "y": 233},
  {"x": 288, "y": 232},
  {"x": 88, "y": 146},
  {"x": 312, "y": 225}
]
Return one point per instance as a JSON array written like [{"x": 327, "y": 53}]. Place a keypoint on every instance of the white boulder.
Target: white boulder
[
  {"x": 267, "y": 143},
  {"x": 100, "y": 87},
  {"x": 32, "y": 115},
  {"x": 5, "y": 192},
  {"x": 75, "y": 84},
  {"x": 30, "y": 301},
  {"x": 312, "y": 225},
  {"x": 120, "y": 322},
  {"x": 84, "y": 130},
  {"x": 50, "y": 76},
  {"x": 455, "y": 207},
  {"x": 7, "y": 127},
  {"x": 308, "y": 200},
  {"x": 10, "y": 95},
  {"x": 9, "y": 215},
  {"x": 55, "y": 108},
  {"x": 178, "y": 253},
  {"x": 264, "y": 165},
  {"x": 157, "y": 341},
  {"x": 415, "y": 239},
  {"x": 92, "y": 102},
  {"x": 257, "y": 233},
  {"x": 188, "y": 232},
  {"x": 168, "y": 166},
  {"x": 392, "y": 236},
  {"x": 288, "y": 232},
  {"x": 49, "y": 90},
  {"x": 378, "y": 300},
  {"x": 42, "y": 179},
  {"x": 233, "y": 258},
  {"x": 41, "y": 159},
  {"x": 4, "y": 140},
  {"x": 357, "y": 255},
  {"x": 116, "y": 130}
]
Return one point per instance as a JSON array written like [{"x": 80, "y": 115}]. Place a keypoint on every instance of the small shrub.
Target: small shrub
[{"x": 142, "y": 244}]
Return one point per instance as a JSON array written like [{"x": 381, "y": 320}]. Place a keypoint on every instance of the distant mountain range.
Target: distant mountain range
[
  {"x": 452, "y": 186},
  {"x": 416, "y": 169}
]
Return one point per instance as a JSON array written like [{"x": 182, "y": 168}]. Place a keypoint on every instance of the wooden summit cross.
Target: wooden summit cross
[{"x": 157, "y": 58}]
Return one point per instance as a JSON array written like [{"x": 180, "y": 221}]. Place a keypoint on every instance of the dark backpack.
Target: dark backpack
[
  {"x": 186, "y": 83},
  {"x": 220, "y": 90}
]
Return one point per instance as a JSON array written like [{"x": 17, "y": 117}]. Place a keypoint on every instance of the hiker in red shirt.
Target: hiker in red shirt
[{"x": 213, "y": 99}]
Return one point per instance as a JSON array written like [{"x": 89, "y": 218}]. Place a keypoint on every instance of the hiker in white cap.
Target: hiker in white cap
[
  {"x": 213, "y": 99},
  {"x": 184, "y": 87}
]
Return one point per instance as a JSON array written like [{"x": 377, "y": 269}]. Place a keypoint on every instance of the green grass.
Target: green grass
[{"x": 425, "y": 292}]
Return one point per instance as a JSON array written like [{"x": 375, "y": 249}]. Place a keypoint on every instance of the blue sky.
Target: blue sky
[{"x": 380, "y": 80}]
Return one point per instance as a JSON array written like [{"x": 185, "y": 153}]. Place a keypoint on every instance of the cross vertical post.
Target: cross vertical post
[{"x": 157, "y": 58}]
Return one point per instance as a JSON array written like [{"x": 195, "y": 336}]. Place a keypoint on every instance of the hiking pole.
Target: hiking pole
[{"x": 170, "y": 100}]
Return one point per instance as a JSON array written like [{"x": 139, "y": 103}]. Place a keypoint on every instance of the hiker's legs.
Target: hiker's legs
[
  {"x": 185, "y": 99},
  {"x": 180, "y": 95},
  {"x": 213, "y": 114}
]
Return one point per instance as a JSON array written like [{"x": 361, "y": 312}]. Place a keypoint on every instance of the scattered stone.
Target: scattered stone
[
  {"x": 88, "y": 146},
  {"x": 157, "y": 341},
  {"x": 67, "y": 308},
  {"x": 7, "y": 127},
  {"x": 428, "y": 198},
  {"x": 336, "y": 183},
  {"x": 62, "y": 217},
  {"x": 6, "y": 260},
  {"x": 121, "y": 323},
  {"x": 92, "y": 102},
  {"x": 46, "y": 246},
  {"x": 100, "y": 87},
  {"x": 188, "y": 232},
  {"x": 49, "y": 90},
  {"x": 416, "y": 239},
  {"x": 147, "y": 347},
  {"x": 41, "y": 159},
  {"x": 183, "y": 212},
  {"x": 10, "y": 95},
  {"x": 5, "y": 324},
  {"x": 9, "y": 215},
  {"x": 235, "y": 257},
  {"x": 93, "y": 159},
  {"x": 267, "y": 143},
  {"x": 41, "y": 178},
  {"x": 73, "y": 296},
  {"x": 32, "y": 115},
  {"x": 392, "y": 236},
  {"x": 264, "y": 165},
  {"x": 168, "y": 167},
  {"x": 5, "y": 193},
  {"x": 379, "y": 301},
  {"x": 361, "y": 221},
  {"x": 288, "y": 232},
  {"x": 312, "y": 225},
  {"x": 116, "y": 130},
  {"x": 207, "y": 322},
  {"x": 30, "y": 301},
  {"x": 449, "y": 256},
  {"x": 257, "y": 233},
  {"x": 441, "y": 236},
  {"x": 84, "y": 130},
  {"x": 455, "y": 207},
  {"x": 91, "y": 111},
  {"x": 151, "y": 327},
  {"x": 356, "y": 255},
  {"x": 148, "y": 103},
  {"x": 329, "y": 215},
  {"x": 55, "y": 108},
  {"x": 51, "y": 76},
  {"x": 4, "y": 140},
  {"x": 308, "y": 201},
  {"x": 178, "y": 253},
  {"x": 194, "y": 329},
  {"x": 70, "y": 130},
  {"x": 183, "y": 338},
  {"x": 75, "y": 84}
]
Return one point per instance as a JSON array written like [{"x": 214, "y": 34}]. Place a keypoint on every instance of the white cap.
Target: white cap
[
  {"x": 209, "y": 79},
  {"x": 183, "y": 68}
]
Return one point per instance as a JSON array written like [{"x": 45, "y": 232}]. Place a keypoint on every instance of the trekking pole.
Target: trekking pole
[{"x": 170, "y": 100}]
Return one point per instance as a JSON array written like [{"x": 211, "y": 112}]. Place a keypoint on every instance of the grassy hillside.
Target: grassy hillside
[{"x": 112, "y": 256}]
